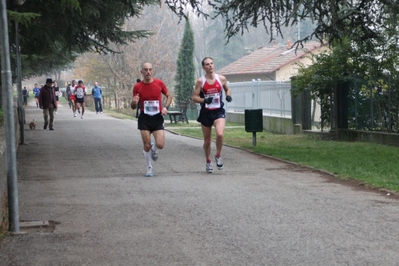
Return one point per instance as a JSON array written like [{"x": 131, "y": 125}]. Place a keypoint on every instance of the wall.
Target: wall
[
  {"x": 283, "y": 125},
  {"x": 285, "y": 72},
  {"x": 250, "y": 77},
  {"x": 368, "y": 136}
]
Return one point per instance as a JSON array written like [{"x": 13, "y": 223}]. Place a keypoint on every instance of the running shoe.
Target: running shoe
[
  {"x": 81, "y": 117},
  {"x": 79, "y": 111},
  {"x": 74, "y": 115},
  {"x": 209, "y": 168},
  {"x": 154, "y": 154},
  {"x": 150, "y": 172},
  {"x": 219, "y": 162}
]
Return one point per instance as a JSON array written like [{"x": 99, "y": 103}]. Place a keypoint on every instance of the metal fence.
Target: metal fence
[
  {"x": 373, "y": 105},
  {"x": 273, "y": 97}
]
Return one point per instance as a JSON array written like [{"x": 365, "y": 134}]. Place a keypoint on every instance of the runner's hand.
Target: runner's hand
[
  {"x": 135, "y": 101},
  {"x": 208, "y": 100},
  {"x": 228, "y": 98}
]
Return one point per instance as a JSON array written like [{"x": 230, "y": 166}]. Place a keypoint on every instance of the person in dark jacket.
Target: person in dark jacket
[
  {"x": 47, "y": 102},
  {"x": 25, "y": 96}
]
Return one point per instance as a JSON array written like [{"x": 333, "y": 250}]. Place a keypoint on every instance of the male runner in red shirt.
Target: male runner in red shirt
[{"x": 149, "y": 93}]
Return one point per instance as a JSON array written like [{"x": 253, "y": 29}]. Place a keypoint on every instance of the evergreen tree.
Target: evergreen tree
[
  {"x": 335, "y": 19},
  {"x": 54, "y": 33},
  {"x": 185, "y": 74}
]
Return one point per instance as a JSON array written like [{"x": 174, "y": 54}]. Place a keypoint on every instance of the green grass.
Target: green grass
[
  {"x": 372, "y": 164},
  {"x": 119, "y": 115}
]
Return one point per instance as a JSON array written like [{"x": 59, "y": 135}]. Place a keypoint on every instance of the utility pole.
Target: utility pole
[
  {"x": 11, "y": 154},
  {"x": 21, "y": 109}
]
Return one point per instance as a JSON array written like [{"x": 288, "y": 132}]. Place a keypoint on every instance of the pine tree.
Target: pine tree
[
  {"x": 335, "y": 19},
  {"x": 53, "y": 34},
  {"x": 185, "y": 74}
]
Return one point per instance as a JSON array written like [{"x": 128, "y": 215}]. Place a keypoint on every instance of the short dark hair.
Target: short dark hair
[
  {"x": 203, "y": 60},
  {"x": 138, "y": 80}
]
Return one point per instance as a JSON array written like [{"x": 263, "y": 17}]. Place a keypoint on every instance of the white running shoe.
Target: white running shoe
[
  {"x": 150, "y": 172},
  {"x": 81, "y": 117},
  {"x": 74, "y": 115},
  {"x": 154, "y": 154},
  {"x": 219, "y": 162},
  {"x": 209, "y": 168},
  {"x": 101, "y": 112}
]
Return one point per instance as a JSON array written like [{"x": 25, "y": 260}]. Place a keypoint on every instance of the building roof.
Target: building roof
[{"x": 267, "y": 59}]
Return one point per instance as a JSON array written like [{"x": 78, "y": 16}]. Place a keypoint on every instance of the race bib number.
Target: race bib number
[
  {"x": 215, "y": 101},
  {"x": 151, "y": 107},
  {"x": 79, "y": 93}
]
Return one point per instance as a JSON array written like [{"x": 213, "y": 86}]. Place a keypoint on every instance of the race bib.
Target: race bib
[
  {"x": 151, "y": 107},
  {"x": 215, "y": 101},
  {"x": 79, "y": 93}
]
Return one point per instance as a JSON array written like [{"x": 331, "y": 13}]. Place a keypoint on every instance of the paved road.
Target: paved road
[{"x": 87, "y": 179}]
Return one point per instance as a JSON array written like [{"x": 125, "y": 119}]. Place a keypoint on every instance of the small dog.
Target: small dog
[{"x": 32, "y": 125}]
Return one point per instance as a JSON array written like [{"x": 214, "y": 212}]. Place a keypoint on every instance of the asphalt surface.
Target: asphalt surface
[{"x": 87, "y": 179}]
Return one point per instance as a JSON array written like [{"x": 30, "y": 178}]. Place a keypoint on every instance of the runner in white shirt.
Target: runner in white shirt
[
  {"x": 72, "y": 96},
  {"x": 80, "y": 92}
]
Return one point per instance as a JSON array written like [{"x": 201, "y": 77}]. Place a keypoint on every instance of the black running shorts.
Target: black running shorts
[
  {"x": 150, "y": 123},
  {"x": 80, "y": 100},
  {"x": 208, "y": 117}
]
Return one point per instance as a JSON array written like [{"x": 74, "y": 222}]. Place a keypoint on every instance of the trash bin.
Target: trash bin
[{"x": 254, "y": 120}]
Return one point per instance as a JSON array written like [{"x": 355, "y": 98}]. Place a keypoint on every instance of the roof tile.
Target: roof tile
[{"x": 267, "y": 59}]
